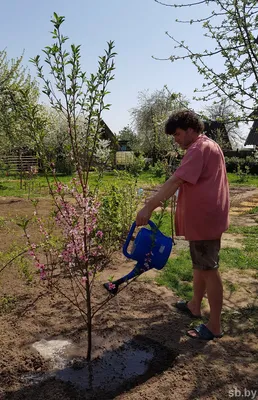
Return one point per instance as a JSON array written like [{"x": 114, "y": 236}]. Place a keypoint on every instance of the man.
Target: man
[{"x": 201, "y": 214}]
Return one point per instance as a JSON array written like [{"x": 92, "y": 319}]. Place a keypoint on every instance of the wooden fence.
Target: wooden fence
[{"x": 19, "y": 163}]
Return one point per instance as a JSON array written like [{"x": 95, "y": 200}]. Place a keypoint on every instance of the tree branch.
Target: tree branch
[
  {"x": 193, "y": 21},
  {"x": 185, "y": 5}
]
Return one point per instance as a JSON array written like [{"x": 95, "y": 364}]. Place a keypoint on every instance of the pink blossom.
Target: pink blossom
[
  {"x": 111, "y": 286},
  {"x": 59, "y": 187},
  {"x": 71, "y": 220},
  {"x": 43, "y": 275},
  {"x": 99, "y": 234},
  {"x": 40, "y": 266}
]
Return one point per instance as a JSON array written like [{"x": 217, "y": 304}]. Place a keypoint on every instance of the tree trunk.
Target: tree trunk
[{"x": 89, "y": 319}]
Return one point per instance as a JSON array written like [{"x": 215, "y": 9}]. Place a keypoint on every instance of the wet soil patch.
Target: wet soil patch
[{"x": 116, "y": 372}]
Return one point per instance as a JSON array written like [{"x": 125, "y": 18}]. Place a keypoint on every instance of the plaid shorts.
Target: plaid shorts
[{"x": 205, "y": 254}]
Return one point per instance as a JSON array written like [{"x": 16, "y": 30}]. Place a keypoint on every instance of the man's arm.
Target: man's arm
[{"x": 166, "y": 191}]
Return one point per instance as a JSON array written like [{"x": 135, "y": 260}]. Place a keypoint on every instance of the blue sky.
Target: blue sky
[{"x": 138, "y": 29}]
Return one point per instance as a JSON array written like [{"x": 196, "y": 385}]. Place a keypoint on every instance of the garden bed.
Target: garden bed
[{"x": 140, "y": 321}]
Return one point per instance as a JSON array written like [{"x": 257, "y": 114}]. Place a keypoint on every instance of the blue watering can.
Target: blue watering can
[
  {"x": 151, "y": 242},
  {"x": 151, "y": 249}
]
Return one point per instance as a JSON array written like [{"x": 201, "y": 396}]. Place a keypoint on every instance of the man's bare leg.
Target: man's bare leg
[
  {"x": 214, "y": 289},
  {"x": 215, "y": 297},
  {"x": 199, "y": 288}
]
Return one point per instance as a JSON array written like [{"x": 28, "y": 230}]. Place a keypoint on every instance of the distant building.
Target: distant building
[
  {"x": 107, "y": 134},
  {"x": 252, "y": 138},
  {"x": 124, "y": 145},
  {"x": 124, "y": 155},
  {"x": 217, "y": 131}
]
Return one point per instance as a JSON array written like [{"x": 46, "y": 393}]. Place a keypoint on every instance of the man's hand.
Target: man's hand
[
  {"x": 165, "y": 192},
  {"x": 143, "y": 216}
]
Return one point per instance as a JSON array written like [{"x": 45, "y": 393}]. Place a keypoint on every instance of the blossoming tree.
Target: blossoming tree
[{"x": 78, "y": 252}]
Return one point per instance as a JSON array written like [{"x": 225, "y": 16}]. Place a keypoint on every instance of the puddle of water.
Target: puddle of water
[
  {"x": 111, "y": 370},
  {"x": 53, "y": 350},
  {"x": 134, "y": 361}
]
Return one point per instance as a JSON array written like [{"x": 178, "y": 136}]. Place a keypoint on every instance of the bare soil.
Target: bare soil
[{"x": 187, "y": 369}]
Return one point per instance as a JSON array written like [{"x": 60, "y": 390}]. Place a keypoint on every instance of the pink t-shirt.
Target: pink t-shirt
[{"x": 203, "y": 200}]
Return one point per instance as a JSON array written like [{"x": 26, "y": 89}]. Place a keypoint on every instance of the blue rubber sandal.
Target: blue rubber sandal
[
  {"x": 203, "y": 333},
  {"x": 182, "y": 306}
]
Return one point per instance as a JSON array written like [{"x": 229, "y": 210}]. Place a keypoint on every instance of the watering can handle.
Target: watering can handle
[{"x": 130, "y": 234}]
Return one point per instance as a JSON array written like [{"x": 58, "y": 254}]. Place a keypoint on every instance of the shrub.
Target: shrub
[
  {"x": 137, "y": 166},
  {"x": 118, "y": 208},
  {"x": 248, "y": 165},
  {"x": 159, "y": 169}
]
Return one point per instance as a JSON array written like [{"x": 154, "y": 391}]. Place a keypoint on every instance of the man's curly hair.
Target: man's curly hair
[{"x": 183, "y": 119}]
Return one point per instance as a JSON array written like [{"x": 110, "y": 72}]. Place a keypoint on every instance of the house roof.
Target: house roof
[
  {"x": 211, "y": 129},
  {"x": 252, "y": 138},
  {"x": 109, "y": 135}
]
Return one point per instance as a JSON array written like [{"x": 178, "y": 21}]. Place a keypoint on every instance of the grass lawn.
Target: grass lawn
[
  {"x": 177, "y": 274},
  {"x": 245, "y": 180},
  {"x": 10, "y": 186}
]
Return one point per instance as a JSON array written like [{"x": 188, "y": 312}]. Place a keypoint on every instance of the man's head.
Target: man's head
[{"x": 185, "y": 126}]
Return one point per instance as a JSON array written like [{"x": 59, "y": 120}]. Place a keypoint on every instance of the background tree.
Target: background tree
[
  {"x": 150, "y": 117},
  {"x": 131, "y": 137},
  {"x": 56, "y": 141},
  {"x": 223, "y": 112},
  {"x": 14, "y": 83},
  {"x": 232, "y": 26}
]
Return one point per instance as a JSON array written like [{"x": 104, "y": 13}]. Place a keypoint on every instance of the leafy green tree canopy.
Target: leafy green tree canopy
[
  {"x": 149, "y": 119},
  {"x": 17, "y": 90}
]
